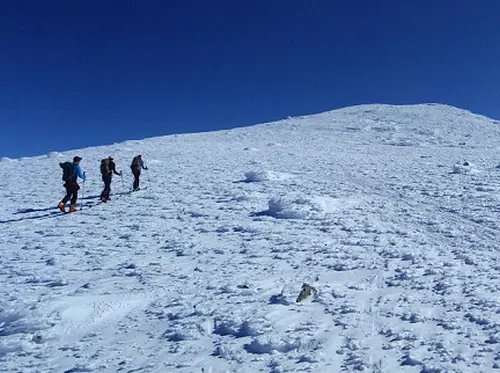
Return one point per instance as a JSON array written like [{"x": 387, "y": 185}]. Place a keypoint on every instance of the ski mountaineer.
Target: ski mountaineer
[
  {"x": 108, "y": 168},
  {"x": 71, "y": 185},
  {"x": 137, "y": 164}
]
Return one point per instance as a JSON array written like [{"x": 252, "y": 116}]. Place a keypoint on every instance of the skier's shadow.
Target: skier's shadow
[
  {"x": 52, "y": 211},
  {"x": 25, "y": 211},
  {"x": 28, "y": 210},
  {"x": 90, "y": 197},
  {"x": 99, "y": 196}
]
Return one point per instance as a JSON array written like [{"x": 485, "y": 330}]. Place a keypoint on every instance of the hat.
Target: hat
[
  {"x": 110, "y": 158},
  {"x": 77, "y": 159}
]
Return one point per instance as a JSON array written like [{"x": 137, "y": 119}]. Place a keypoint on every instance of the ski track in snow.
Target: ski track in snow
[{"x": 200, "y": 272}]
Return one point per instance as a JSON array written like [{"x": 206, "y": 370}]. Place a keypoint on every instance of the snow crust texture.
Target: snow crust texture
[{"x": 391, "y": 213}]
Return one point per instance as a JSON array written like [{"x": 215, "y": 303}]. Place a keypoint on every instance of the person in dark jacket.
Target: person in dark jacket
[
  {"x": 136, "y": 166},
  {"x": 72, "y": 186},
  {"x": 108, "y": 168}
]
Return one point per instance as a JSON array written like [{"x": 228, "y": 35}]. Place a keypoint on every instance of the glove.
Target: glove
[{"x": 145, "y": 168}]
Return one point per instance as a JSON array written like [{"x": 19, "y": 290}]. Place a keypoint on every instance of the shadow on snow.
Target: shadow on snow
[{"x": 53, "y": 211}]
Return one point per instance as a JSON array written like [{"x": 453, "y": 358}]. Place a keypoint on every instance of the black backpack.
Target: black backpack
[
  {"x": 136, "y": 162},
  {"x": 105, "y": 166},
  {"x": 67, "y": 171}
]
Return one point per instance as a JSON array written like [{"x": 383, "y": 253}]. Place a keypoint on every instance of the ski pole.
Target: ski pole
[
  {"x": 149, "y": 180},
  {"x": 83, "y": 193}
]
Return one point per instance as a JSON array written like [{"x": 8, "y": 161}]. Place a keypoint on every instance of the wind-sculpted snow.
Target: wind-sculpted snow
[{"x": 390, "y": 213}]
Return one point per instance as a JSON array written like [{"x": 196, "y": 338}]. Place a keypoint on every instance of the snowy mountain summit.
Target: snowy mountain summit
[{"x": 361, "y": 239}]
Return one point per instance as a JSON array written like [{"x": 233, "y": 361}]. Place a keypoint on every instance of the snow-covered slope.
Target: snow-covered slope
[{"x": 200, "y": 271}]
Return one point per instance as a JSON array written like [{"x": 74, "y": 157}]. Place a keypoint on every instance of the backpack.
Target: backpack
[
  {"x": 67, "y": 171},
  {"x": 136, "y": 162},
  {"x": 105, "y": 166}
]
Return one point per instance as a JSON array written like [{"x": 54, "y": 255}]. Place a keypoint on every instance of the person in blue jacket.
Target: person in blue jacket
[{"x": 72, "y": 186}]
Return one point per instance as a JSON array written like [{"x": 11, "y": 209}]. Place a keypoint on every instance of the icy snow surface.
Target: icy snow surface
[{"x": 200, "y": 271}]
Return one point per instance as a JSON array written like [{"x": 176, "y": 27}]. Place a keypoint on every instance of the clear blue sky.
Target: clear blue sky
[{"x": 85, "y": 73}]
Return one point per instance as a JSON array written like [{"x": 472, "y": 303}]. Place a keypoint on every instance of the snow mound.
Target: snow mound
[
  {"x": 15, "y": 324},
  {"x": 461, "y": 168},
  {"x": 256, "y": 176},
  {"x": 54, "y": 155},
  {"x": 263, "y": 175},
  {"x": 300, "y": 207},
  {"x": 266, "y": 344},
  {"x": 237, "y": 328},
  {"x": 5, "y": 159}
]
